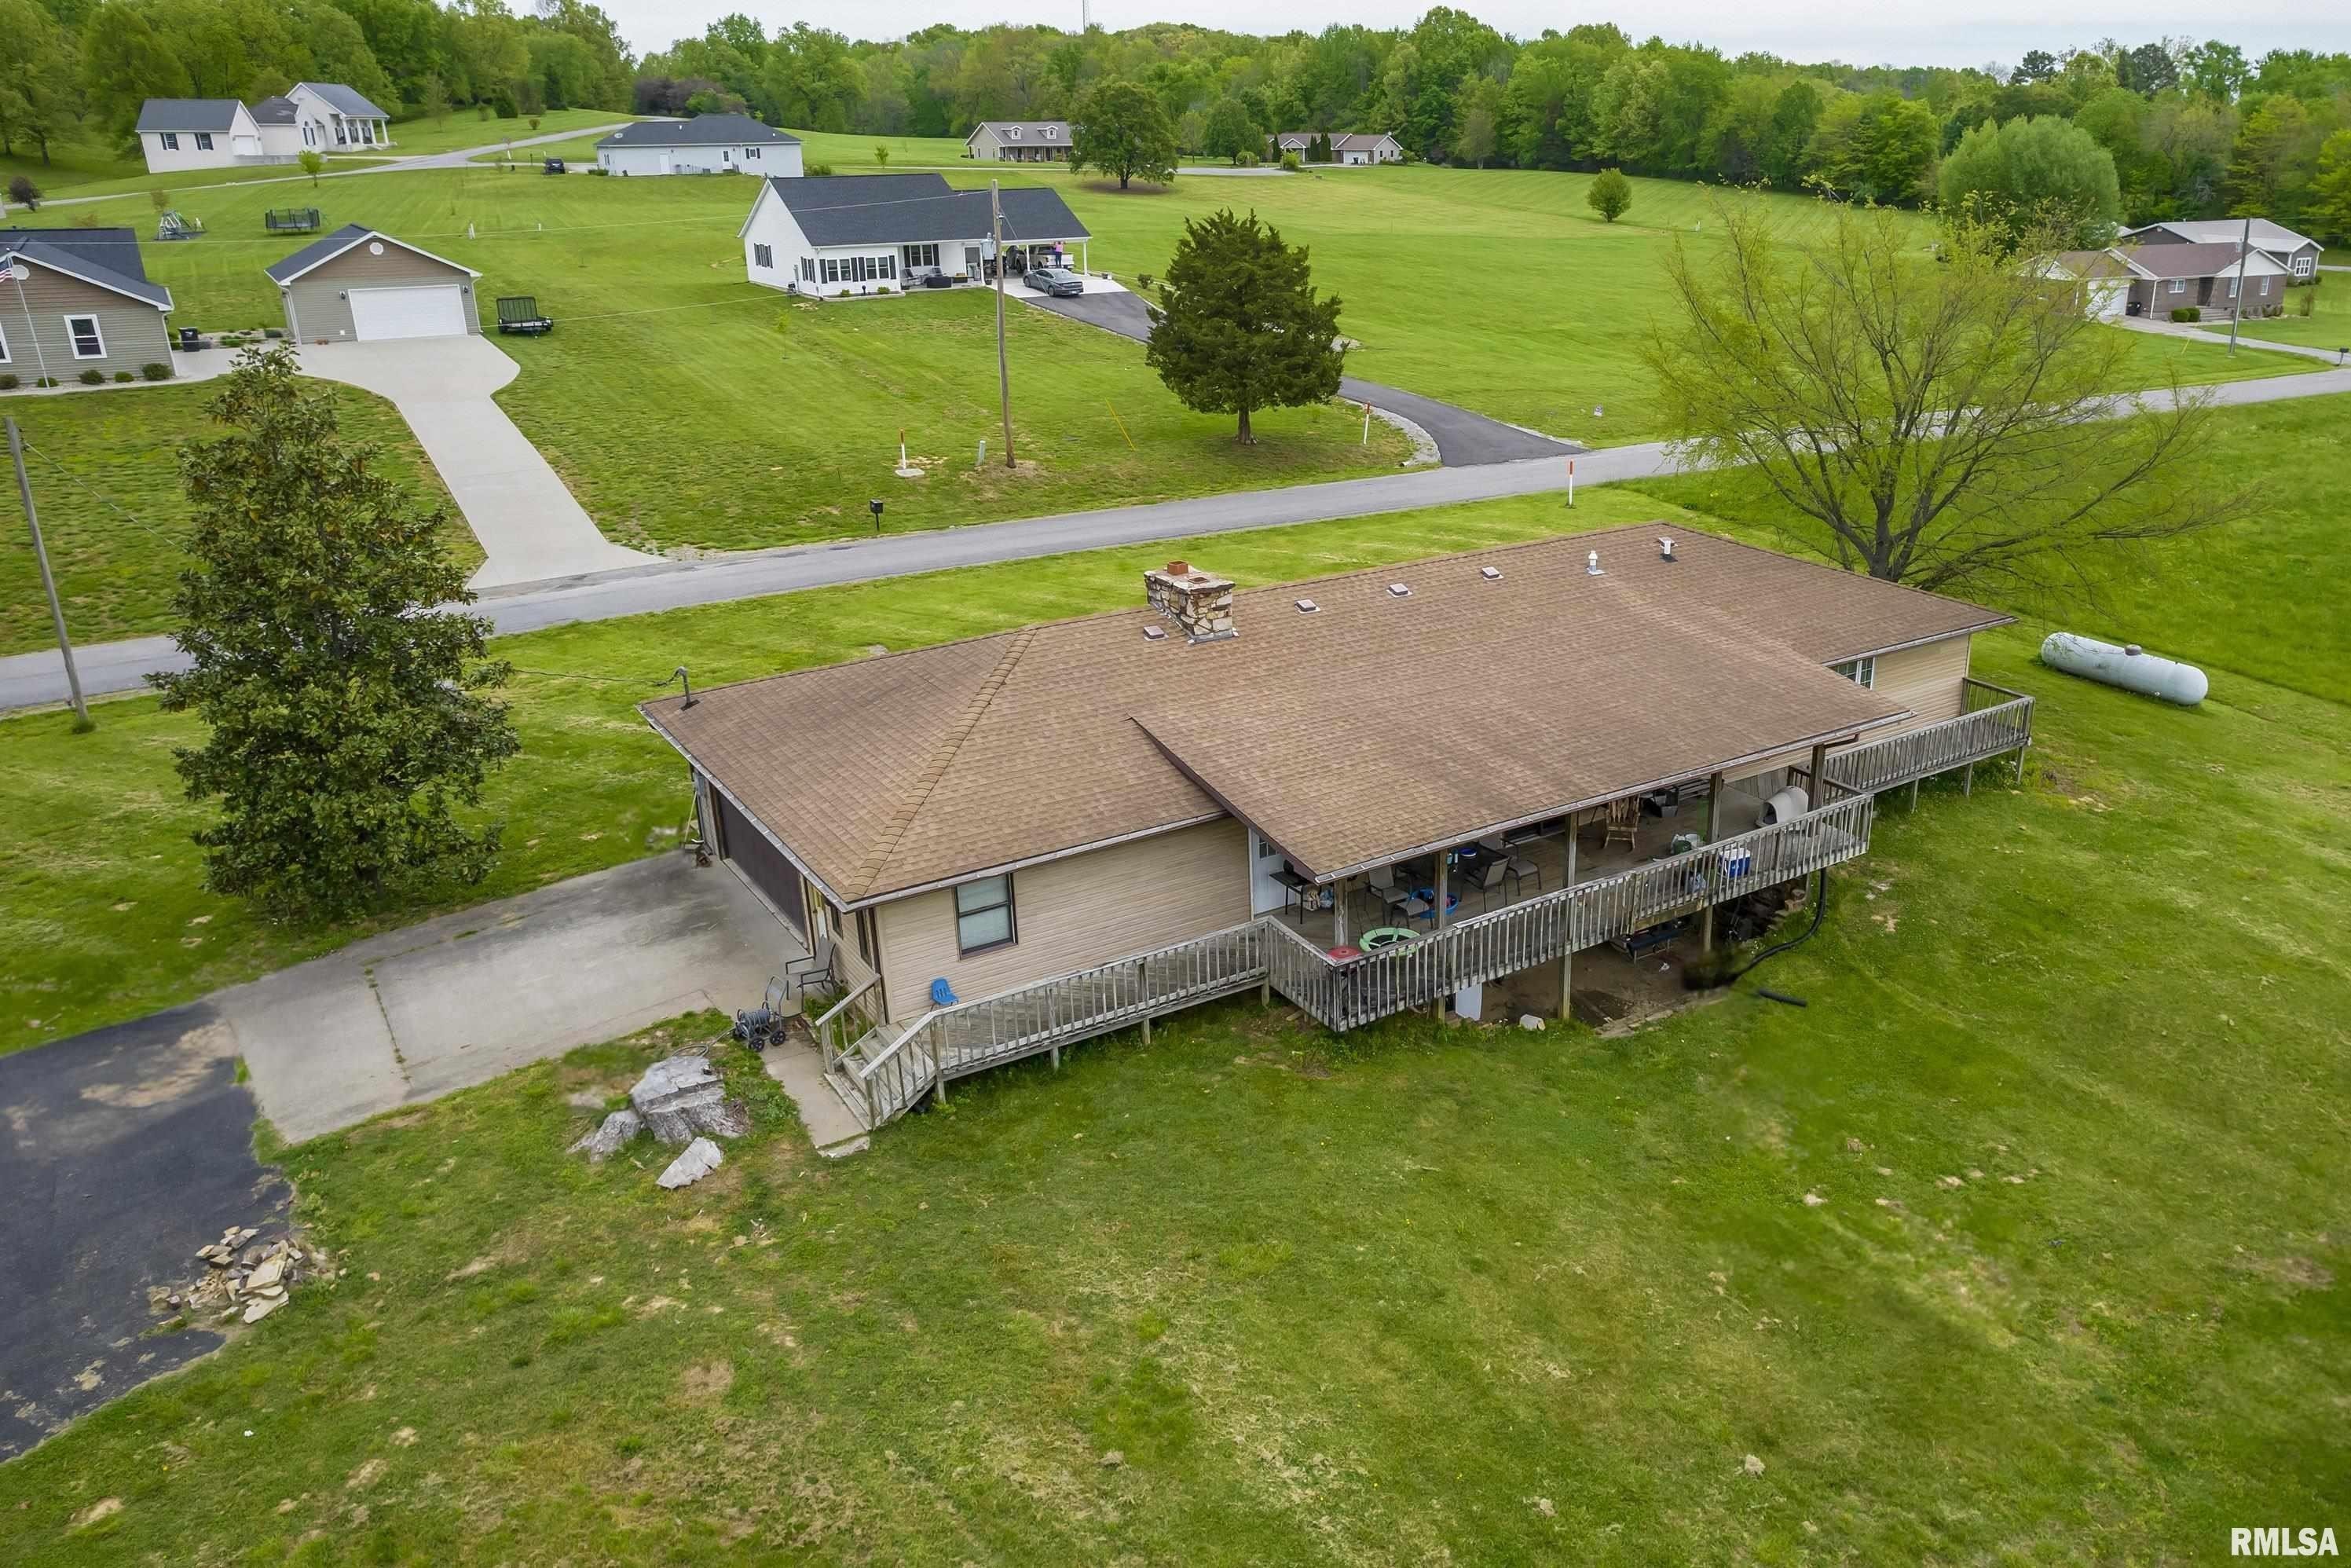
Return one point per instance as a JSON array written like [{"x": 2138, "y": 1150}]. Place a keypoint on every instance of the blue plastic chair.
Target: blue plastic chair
[{"x": 942, "y": 994}]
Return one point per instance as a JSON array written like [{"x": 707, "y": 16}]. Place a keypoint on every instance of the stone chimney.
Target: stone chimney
[{"x": 1197, "y": 603}]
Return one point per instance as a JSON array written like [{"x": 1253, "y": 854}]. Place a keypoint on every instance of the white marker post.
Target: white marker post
[
  {"x": 1570, "y": 481},
  {"x": 1367, "y": 425}
]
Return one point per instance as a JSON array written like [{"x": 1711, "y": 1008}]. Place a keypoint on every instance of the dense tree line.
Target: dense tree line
[
  {"x": 78, "y": 69},
  {"x": 2193, "y": 129}
]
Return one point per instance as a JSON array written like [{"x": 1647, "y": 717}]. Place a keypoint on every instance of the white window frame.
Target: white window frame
[
  {"x": 762, "y": 255},
  {"x": 2233, "y": 288},
  {"x": 2303, "y": 263},
  {"x": 1861, "y": 671},
  {"x": 171, "y": 141},
  {"x": 925, "y": 254},
  {"x": 4, "y": 357},
  {"x": 97, "y": 330},
  {"x": 750, "y": 152},
  {"x": 203, "y": 141}
]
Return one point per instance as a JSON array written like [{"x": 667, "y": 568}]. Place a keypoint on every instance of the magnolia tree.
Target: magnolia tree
[
  {"x": 347, "y": 708},
  {"x": 1948, "y": 418}
]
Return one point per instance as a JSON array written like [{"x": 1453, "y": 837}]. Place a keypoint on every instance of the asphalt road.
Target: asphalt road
[
  {"x": 120, "y": 1157},
  {"x": 1463, "y": 439}
]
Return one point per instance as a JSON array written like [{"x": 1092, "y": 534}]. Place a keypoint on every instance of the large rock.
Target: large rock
[
  {"x": 683, "y": 1097},
  {"x": 700, "y": 1157},
  {"x": 609, "y": 1137}
]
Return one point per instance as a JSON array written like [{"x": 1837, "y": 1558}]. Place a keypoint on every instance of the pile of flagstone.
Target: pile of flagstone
[
  {"x": 680, "y": 1100},
  {"x": 247, "y": 1278}
]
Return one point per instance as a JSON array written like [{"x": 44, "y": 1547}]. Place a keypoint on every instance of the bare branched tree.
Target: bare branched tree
[{"x": 1946, "y": 419}]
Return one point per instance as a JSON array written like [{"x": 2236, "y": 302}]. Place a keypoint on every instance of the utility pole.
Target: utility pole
[
  {"x": 49, "y": 580},
  {"x": 1003, "y": 369},
  {"x": 2237, "y": 305}
]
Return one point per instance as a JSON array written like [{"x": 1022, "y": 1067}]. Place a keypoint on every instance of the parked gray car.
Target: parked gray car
[{"x": 1055, "y": 280}]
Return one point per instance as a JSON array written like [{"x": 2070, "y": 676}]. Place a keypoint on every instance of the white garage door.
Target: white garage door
[{"x": 435, "y": 312}]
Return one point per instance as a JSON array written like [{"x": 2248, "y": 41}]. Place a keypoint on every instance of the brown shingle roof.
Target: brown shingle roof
[
  {"x": 2199, "y": 260},
  {"x": 1370, "y": 727}
]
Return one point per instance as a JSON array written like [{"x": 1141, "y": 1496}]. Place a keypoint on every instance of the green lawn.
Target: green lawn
[
  {"x": 2021, "y": 1243},
  {"x": 462, "y": 128},
  {"x": 2328, "y": 325},
  {"x": 692, "y": 409},
  {"x": 75, "y": 168},
  {"x": 112, "y": 508}
]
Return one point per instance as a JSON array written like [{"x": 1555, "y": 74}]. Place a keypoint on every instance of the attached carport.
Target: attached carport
[{"x": 359, "y": 285}]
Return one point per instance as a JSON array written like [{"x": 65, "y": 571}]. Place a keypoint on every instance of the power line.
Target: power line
[{"x": 106, "y": 500}]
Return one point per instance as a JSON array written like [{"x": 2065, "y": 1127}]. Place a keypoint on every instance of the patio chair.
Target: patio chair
[
  {"x": 817, "y": 968},
  {"x": 1623, "y": 822},
  {"x": 1400, "y": 899},
  {"x": 1520, "y": 868},
  {"x": 1490, "y": 882}
]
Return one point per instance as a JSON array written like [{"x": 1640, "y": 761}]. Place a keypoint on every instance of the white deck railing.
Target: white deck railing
[
  {"x": 1998, "y": 721},
  {"x": 890, "y": 1069}
]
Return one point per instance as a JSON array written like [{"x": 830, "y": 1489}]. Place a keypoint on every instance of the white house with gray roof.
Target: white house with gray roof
[
  {"x": 1018, "y": 141},
  {"x": 873, "y": 234},
  {"x": 706, "y": 144},
  {"x": 328, "y": 117}
]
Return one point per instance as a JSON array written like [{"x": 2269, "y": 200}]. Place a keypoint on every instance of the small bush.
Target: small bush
[
  {"x": 2187, "y": 313},
  {"x": 2303, "y": 302},
  {"x": 93, "y": 377},
  {"x": 1143, "y": 279},
  {"x": 156, "y": 370},
  {"x": 23, "y": 193},
  {"x": 125, "y": 376},
  {"x": 1247, "y": 160},
  {"x": 233, "y": 340},
  {"x": 818, "y": 171},
  {"x": 599, "y": 169},
  {"x": 9, "y": 382},
  {"x": 882, "y": 288},
  {"x": 1291, "y": 161},
  {"x": 44, "y": 381}
]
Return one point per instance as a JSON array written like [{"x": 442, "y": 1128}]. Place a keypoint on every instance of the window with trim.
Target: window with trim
[
  {"x": 4, "y": 346},
  {"x": 750, "y": 152},
  {"x": 983, "y": 915},
  {"x": 170, "y": 142},
  {"x": 2233, "y": 288},
  {"x": 1860, "y": 671},
  {"x": 763, "y": 256},
  {"x": 88, "y": 343},
  {"x": 920, "y": 255},
  {"x": 808, "y": 269},
  {"x": 2179, "y": 286},
  {"x": 203, "y": 141}
]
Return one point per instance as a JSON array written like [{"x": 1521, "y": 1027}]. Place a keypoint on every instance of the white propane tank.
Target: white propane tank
[
  {"x": 1786, "y": 806},
  {"x": 2130, "y": 666}
]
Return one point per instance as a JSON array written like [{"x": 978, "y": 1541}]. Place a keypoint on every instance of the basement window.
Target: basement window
[
  {"x": 1862, "y": 672},
  {"x": 983, "y": 915}
]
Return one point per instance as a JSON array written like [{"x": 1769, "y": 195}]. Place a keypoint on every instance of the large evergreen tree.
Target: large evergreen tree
[
  {"x": 348, "y": 713},
  {"x": 1120, "y": 129},
  {"x": 1239, "y": 325}
]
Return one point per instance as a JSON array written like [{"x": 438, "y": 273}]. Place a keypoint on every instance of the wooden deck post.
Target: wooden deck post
[
  {"x": 1437, "y": 1006},
  {"x": 1713, "y": 825},
  {"x": 1914, "y": 794},
  {"x": 1567, "y": 920},
  {"x": 1968, "y": 786},
  {"x": 1339, "y": 912},
  {"x": 1819, "y": 791},
  {"x": 1146, "y": 1039}
]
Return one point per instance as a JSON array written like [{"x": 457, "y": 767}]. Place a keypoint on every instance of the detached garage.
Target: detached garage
[{"x": 361, "y": 285}]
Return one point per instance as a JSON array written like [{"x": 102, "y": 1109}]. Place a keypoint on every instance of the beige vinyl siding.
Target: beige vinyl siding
[
  {"x": 134, "y": 331},
  {"x": 315, "y": 302},
  {"x": 1072, "y": 912},
  {"x": 1926, "y": 680}
]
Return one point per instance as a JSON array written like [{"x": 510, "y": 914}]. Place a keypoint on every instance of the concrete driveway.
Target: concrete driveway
[
  {"x": 529, "y": 525},
  {"x": 1463, "y": 439},
  {"x": 415, "y": 1013},
  {"x": 122, "y": 1152}
]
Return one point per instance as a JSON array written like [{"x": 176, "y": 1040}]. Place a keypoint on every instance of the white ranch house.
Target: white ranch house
[
  {"x": 327, "y": 118},
  {"x": 1018, "y": 141},
  {"x": 873, "y": 234},
  {"x": 707, "y": 144}
]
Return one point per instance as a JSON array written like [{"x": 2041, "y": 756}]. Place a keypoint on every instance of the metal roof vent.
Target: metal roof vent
[
  {"x": 1665, "y": 549},
  {"x": 1399, "y": 590},
  {"x": 1490, "y": 573},
  {"x": 1592, "y": 564},
  {"x": 1307, "y": 607},
  {"x": 1154, "y": 634}
]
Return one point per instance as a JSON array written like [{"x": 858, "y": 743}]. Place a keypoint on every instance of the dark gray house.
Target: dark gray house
[
  {"x": 2298, "y": 254},
  {"x": 78, "y": 299},
  {"x": 361, "y": 285}
]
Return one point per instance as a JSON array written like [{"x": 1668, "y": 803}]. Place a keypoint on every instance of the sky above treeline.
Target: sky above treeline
[{"x": 1876, "y": 32}]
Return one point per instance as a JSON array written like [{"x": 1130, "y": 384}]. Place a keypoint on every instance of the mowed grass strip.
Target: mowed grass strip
[
  {"x": 2022, "y": 1242},
  {"x": 105, "y": 469}
]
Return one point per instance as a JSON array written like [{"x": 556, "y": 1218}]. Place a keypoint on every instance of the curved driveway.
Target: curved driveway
[{"x": 1463, "y": 439}]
